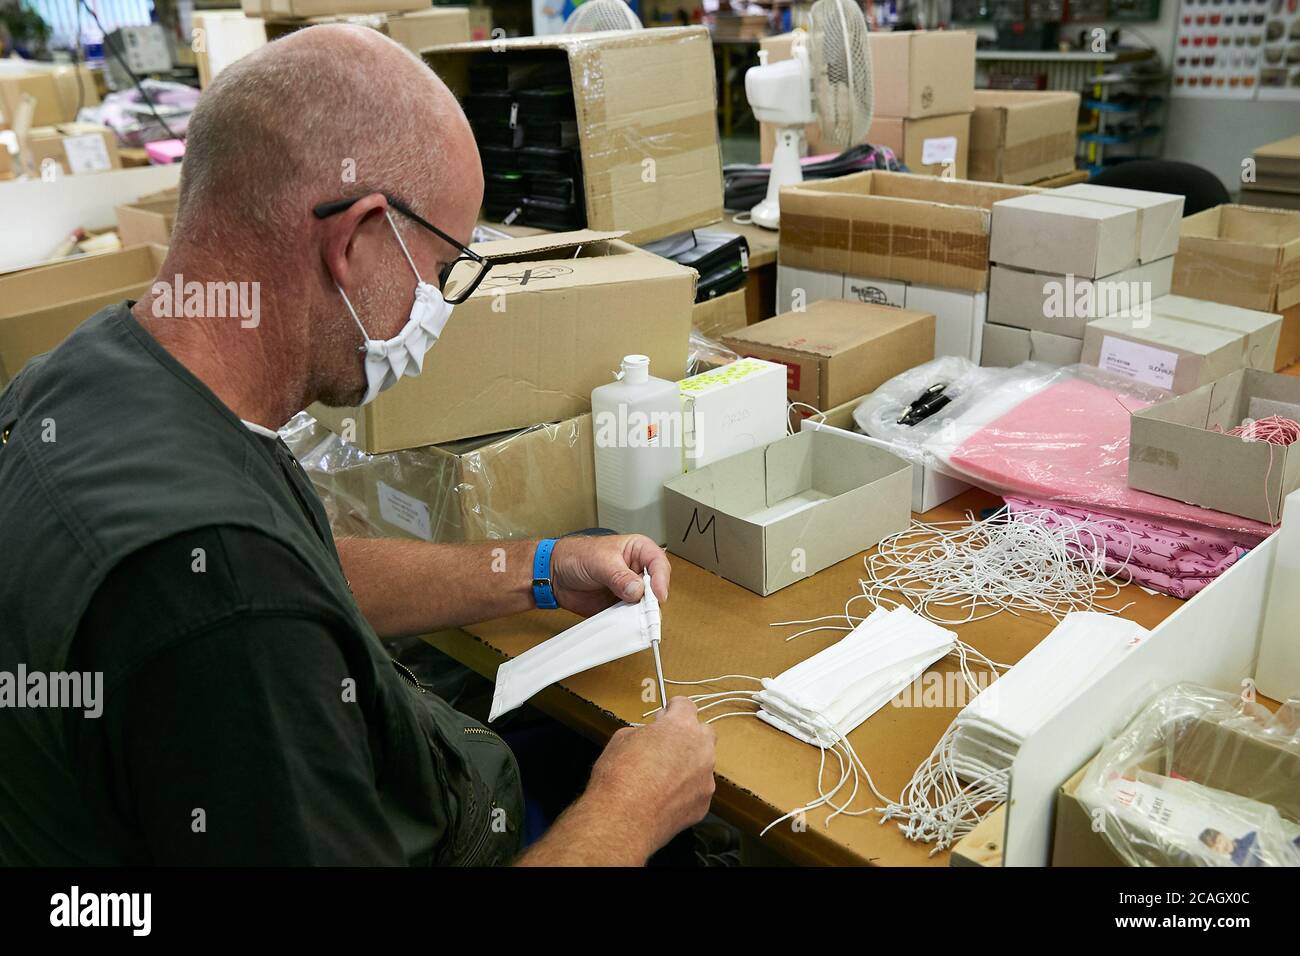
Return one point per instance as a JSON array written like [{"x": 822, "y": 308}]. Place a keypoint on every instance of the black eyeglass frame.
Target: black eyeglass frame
[{"x": 334, "y": 207}]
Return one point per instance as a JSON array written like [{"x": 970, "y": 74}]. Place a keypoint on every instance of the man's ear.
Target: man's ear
[{"x": 342, "y": 233}]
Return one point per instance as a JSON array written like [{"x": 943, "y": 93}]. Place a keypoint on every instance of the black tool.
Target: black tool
[{"x": 929, "y": 402}]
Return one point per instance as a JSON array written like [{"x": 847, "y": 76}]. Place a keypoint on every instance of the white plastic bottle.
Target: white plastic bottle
[{"x": 637, "y": 425}]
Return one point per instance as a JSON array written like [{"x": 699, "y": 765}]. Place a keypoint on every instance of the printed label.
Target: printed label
[
  {"x": 942, "y": 149},
  {"x": 87, "y": 153},
  {"x": 403, "y": 511},
  {"x": 1145, "y": 363}
]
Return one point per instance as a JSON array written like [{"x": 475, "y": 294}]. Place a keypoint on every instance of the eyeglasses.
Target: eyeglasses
[{"x": 458, "y": 279}]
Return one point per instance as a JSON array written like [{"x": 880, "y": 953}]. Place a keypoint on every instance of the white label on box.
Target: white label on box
[
  {"x": 403, "y": 511},
  {"x": 1145, "y": 363},
  {"x": 87, "y": 153},
  {"x": 942, "y": 149}
]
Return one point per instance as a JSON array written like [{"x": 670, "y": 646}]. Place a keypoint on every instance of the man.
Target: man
[{"x": 158, "y": 533}]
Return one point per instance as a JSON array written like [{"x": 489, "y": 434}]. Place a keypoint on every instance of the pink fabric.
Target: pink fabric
[
  {"x": 1068, "y": 445},
  {"x": 1172, "y": 559}
]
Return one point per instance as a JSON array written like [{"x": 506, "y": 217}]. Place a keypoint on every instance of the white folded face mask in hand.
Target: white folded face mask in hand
[{"x": 613, "y": 633}]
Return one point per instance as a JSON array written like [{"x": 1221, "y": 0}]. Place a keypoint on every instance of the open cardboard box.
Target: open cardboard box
[
  {"x": 146, "y": 220},
  {"x": 40, "y": 307},
  {"x": 775, "y": 515},
  {"x": 1212, "y": 754},
  {"x": 1174, "y": 452},
  {"x": 1249, "y": 257},
  {"x": 1022, "y": 136},
  {"x": 646, "y": 114},
  {"x": 550, "y": 322},
  {"x": 920, "y": 229}
]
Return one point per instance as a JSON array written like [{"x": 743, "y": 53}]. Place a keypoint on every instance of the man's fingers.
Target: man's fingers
[{"x": 645, "y": 554}]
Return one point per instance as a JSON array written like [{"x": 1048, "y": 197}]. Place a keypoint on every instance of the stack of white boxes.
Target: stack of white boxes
[
  {"x": 959, "y": 313},
  {"x": 1064, "y": 258}
]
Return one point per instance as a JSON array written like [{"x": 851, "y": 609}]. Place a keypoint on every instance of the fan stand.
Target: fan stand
[{"x": 786, "y": 171}]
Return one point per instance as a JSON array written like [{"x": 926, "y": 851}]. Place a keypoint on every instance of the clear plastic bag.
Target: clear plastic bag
[
  {"x": 1038, "y": 432},
  {"x": 1200, "y": 778},
  {"x": 535, "y": 482}
]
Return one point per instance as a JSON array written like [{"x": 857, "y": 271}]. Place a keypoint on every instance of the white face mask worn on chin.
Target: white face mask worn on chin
[{"x": 387, "y": 360}]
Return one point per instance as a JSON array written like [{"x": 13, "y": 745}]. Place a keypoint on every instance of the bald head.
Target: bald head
[{"x": 326, "y": 112}]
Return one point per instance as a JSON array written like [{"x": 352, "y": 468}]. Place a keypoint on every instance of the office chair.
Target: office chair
[{"x": 1200, "y": 188}]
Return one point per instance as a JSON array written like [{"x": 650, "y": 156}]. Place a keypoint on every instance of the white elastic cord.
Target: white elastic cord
[
  {"x": 353, "y": 313},
  {"x": 956, "y": 572},
  {"x": 401, "y": 242}
]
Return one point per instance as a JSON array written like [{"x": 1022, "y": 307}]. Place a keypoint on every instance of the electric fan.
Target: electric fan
[
  {"x": 827, "y": 81},
  {"x": 596, "y": 16}
]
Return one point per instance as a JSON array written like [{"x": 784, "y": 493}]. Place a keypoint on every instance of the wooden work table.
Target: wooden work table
[{"x": 713, "y": 627}]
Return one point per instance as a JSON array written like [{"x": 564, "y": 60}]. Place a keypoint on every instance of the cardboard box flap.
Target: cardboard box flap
[{"x": 524, "y": 247}]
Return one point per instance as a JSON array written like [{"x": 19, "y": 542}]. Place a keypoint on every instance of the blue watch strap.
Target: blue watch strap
[{"x": 543, "y": 595}]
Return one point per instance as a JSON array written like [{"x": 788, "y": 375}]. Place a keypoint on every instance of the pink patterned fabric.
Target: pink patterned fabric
[{"x": 1173, "y": 558}]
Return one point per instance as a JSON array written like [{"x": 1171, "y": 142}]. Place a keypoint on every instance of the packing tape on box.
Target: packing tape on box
[
  {"x": 1037, "y": 152},
  {"x": 812, "y": 235}
]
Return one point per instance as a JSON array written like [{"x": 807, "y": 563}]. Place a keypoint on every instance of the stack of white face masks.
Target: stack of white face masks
[
  {"x": 822, "y": 699},
  {"x": 613, "y": 633},
  {"x": 967, "y": 773}
]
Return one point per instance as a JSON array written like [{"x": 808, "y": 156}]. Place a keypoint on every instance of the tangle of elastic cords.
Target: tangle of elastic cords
[
  {"x": 1275, "y": 430},
  {"x": 956, "y": 572},
  {"x": 852, "y": 768}
]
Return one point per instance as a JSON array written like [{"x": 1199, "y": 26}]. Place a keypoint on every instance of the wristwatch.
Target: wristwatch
[{"x": 543, "y": 594}]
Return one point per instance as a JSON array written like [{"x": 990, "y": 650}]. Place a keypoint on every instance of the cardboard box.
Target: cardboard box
[
  {"x": 930, "y": 73},
  {"x": 959, "y": 318},
  {"x": 1065, "y": 304},
  {"x": 1159, "y": 215},
  {"x": 6, "y": 163},
  {"x": 57, "y": 90},
  {"x": 651, "y": 163},
  {"x": 772, "y": 516},
  {"x": 416, "y": 30},
  {"x": 930, "y": 488},
  {"x": 77, "y": 149},
  {"x": 1210, "y": 753},
  {"x": 1269, "y": 199},
  {"x": 1171, "y": 443},
  {"x": 722, "y": 314},
  {"x": 146, "y": 220},
  {"x": 897, "y": 226},
  {"x": 535, "y": 483},
  {"x": 1260, "y": 330},
  {"x": 1277, "y": 167},
  {"x": 797, "y": 288},
  {"x": 271, "y": 9},
  {"x": 959, "y": 315},
  {"x": 480, "y": 23},
  {"x": 1245, "y": 256},
  {"x": 836, "y": 350},
  {"x": 39, "y": 307},
  {"x": 732, "y": 409},
  {"x": 931, "y": 146},
  {"x": 1005, "y": 346},
  {"x": 1179, "y": 353},
  {"x": 228, "y": 36},
  {"x": 1049, "y": 232},
  {"x": 550, "y": 322},
  {"x": 1023, "y": 136}
]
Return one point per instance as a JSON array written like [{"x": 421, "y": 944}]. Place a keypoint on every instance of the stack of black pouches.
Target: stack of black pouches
[{"x": 527, "y": 133}]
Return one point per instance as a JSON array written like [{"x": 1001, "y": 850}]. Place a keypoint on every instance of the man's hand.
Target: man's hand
[
  {"x": 588, "y": 574},
  {"x": 650, "y": 784}
]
